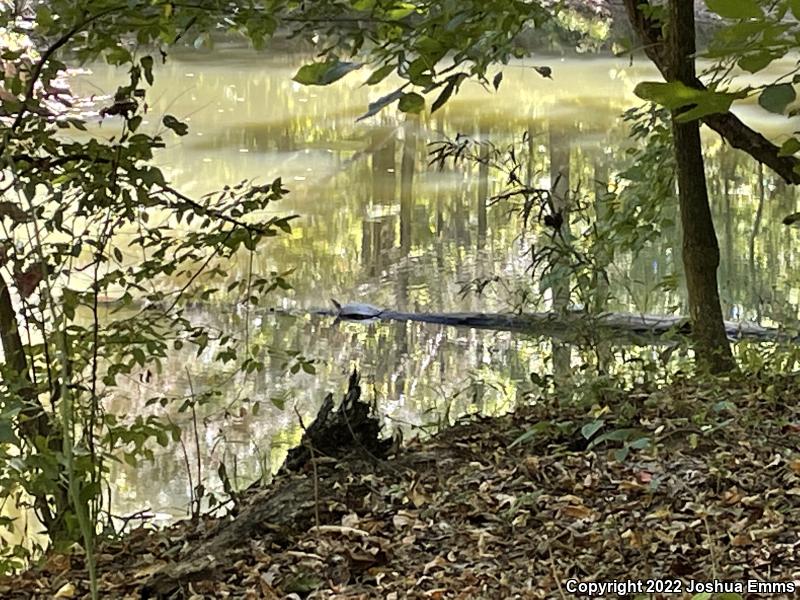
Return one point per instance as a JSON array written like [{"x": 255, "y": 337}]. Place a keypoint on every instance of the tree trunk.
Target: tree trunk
[
  {"x": 34, "y": 425},
  {"x": 700, "y": 246}
]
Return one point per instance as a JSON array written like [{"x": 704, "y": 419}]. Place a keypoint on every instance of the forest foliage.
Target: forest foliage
[{"x": 86, "y": 217}]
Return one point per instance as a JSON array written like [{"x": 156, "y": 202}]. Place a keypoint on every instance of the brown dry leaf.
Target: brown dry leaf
[
  {"x": 571, "y": 499},
  {"x": 505, "y": 500},
  {"x": 148, "y": 570},
  {"x": 578, "y": 512},
  {"x": 437, "y": 563},
  {"x": 351, "y": 520},
  {"x": 627, "y": 485},
  {"x": 28, "y": 280},
  {"x": 404, "y": 518},
  {"x": 660, "y": 514},
  {"x": 417, "y": 494},
  {"x": 531, "y": 465},
  {"x": 13, "y": 212},
  {"x": 732, "y": 496},
  {"x": 361, "y": 560},
  {"x": 741, "y": 540},
  {"x": 58, "y": 563},
  {"x": 561, "y": 519},
  {"x": 634, "y": 538}
]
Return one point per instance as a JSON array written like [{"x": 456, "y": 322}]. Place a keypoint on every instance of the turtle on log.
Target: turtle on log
[{"x": 356, "y": 311}]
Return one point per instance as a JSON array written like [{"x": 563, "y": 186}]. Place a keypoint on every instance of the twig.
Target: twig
[
  {"x": 339, "y": 529},
  {"x": 196, "y": 437},
  {"x": 555, "y": 574},
  {"x": 313, "y": 466},
  {"x": 211, "y": 212},
  {"x": 188, "y": 469},
  {"x": 711, "y": 548}
]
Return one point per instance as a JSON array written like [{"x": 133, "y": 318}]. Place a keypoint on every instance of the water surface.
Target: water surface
[{"x": 378, "y": 225}]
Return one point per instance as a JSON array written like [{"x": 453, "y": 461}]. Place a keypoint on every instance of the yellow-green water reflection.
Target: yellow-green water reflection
[{"x": 378, "y": 225}]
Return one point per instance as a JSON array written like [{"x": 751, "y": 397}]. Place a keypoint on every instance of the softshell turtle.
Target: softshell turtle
[{"x": 357, "y": 311}]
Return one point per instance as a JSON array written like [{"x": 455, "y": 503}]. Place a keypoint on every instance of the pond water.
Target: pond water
[{"x": 377, "y": 224}]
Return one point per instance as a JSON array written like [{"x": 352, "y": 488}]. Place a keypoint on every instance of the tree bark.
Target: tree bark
[
  {"x": 700, "y": 246},
  {"x": 35, "y": 426}
]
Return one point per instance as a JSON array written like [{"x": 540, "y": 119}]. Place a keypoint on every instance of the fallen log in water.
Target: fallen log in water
[{"x": 573, "y": 325}]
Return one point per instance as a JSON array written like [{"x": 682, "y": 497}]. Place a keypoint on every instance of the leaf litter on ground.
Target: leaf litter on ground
[{"x": 487, "y": 510}]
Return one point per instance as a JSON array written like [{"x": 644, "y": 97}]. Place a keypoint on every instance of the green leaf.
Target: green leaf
[
  {"x": 775, "y": 98},
  {"x": 303, "y": 583},
  {"x": 588, "y": 430},
  {"x": 147, "y": 66},
  {"x": 117, "y": 56},
  {"x": 416, "y": 71},
  {"x": 7, "y": 435},
  {"x": 411, "y": 103},
  {"x": 676, "y": 95},
  {"x": 538, "y": 429},
  {"x": 380, "y": 74},
  {"x": 452, "y": 82},
  {"x": 175, "y": 125},
  {"x": 735, "y": 9},
  {"x": 618, "y": 435},
  {"x": 621, "y": 454},
  {"x": 498, "y": 79},
  {"x": 375, "y": 107},
  {"x": 756, "y": 61},
  {"x": 794, "y": 6},
  {"x": 789, "y": 147},
  {"x": 324, "y": 73},
  {"x": 400, "y": 10}
]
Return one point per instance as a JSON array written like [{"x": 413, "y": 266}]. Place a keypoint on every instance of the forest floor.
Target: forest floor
[{"x": 518, "y": 506}]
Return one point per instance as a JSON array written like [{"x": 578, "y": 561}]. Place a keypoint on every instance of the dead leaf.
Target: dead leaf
[
  {"x": 417, "y": 494},
  {"x": 741, "y": 540},
  {"x": 578, "y": 512},
  {"x": 66, "y": 591},
  {"x": 732, "y": 496},
  {"x": 437, "y": 563},
  {"x": 13, "y": 212},
  {"x": 28, "y": 280}
]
